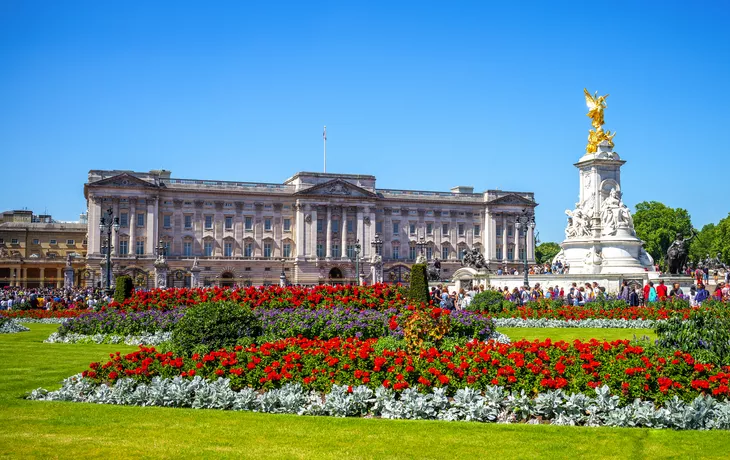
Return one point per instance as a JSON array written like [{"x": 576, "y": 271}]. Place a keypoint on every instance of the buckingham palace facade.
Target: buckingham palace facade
[{"x": 249, "y": 233}]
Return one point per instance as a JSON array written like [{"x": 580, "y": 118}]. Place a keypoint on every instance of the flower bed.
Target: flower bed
[
  {"x": 377, "y": 296},
  {"x": 154, "y": 338},
  {"x": 38, "y": 314},
  {"x": 629, "y": 371},
  {"x": 11, "y": 326},
  {"x": 536, "y": 310},
  {"x": 278, "y": 323},
  {"x": 494, "y": 404},
  {"x": 580, "y": 323}
]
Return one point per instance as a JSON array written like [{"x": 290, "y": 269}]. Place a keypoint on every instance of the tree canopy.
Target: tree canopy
[
  {"x": 657, "y": 225},
  {"x": 545, "y": 252}
]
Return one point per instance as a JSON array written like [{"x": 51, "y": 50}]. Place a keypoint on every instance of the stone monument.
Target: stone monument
[
  {"x": 195, "y": 274},
  {"x": 376, "y": 268},
  {"x": 600, "y": 235},
  {"x": 68, "y": 273},
  {"x": 161, "y": 271}
]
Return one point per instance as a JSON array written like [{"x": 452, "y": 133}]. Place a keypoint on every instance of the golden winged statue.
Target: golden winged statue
[{"x": 596, "y": 104}]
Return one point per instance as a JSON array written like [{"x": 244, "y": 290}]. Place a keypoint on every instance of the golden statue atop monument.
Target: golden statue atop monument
[{"x": 596, "y": 104}]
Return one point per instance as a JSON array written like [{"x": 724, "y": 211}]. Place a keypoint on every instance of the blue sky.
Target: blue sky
[{"x": 423, "y": 95}]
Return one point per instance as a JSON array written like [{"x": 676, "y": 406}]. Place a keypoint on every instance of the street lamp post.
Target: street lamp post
[
  {"x": 282, "y": 276},
  {"x": 525, "y": 221},
  {"x": 358, "y": 247},
  {"x": 106, "y": 224}
]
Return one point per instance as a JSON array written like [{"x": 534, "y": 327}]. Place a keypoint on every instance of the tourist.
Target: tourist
[
  {"x": 702, "y": 294},
  {"x": 718, "y": 292},
  {"x": 676, "y": 291},
  {"x": 634, "y": 297},
  {"x": 580, "y": 297},
  {"x": 651, "y": 295},
  {"x": 625, "y": 291},
  {"x": 698, "y": 275},
  {"x": 661, "y": 290},
  {"x": 706, "y": 274},
  {"x": 692, "y": 296},
  {"x": 646, "y": 289}
]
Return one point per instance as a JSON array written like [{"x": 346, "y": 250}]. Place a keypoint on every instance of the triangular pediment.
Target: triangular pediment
[
  {"x": 122, "y": 180},
  {"x": 337, "y": 187},
  {"x": 512, "y": 199}
]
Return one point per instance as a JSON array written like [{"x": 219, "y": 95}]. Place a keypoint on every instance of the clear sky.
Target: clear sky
[{"x": 423, "y": 95}]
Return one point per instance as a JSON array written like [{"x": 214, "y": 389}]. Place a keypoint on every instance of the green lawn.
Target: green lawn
[
  {"x": 41, "y": 429},
  {"x": 570, "y": 334}
]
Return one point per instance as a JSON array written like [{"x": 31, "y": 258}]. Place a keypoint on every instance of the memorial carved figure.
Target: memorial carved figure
[
  {"x": 474, "y": 259},
  {"x": 596, "y": 105},
  {"x": 676, "y": 257},
  {"x": 579, "y": 224},
  {"x": 434, "y": 270}
]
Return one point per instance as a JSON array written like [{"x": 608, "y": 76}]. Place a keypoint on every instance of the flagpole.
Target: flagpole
[{"x": 324, "y": 136}]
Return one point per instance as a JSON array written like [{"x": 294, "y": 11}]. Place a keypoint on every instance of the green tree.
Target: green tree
[
  {"x": 721, "y": 239},
  {"x": 704, "y": 243},
  {"x": 657, "y": 225},
  {"x": 124, "y": 288},
  {"x": 545, "y": 252}
]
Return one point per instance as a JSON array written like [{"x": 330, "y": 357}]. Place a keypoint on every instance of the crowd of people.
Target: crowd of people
[{"x": 13, "y": 297}]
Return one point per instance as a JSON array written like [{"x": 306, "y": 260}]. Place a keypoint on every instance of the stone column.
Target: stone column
[
  {"x": 132, "y": 221},
  {"x": 59, "y": 280},
  {"x": 150, "y": 242},
  {"x": 42, "y": 281},
  {"x": 301, "y": 250},
  {"x": 328, "y": 232},
  {"x": 312, "y": 252},
  {"x": 115, "y": 235},
  {"x": 504, "y": 237},
  {"x": 487, "y": 236},
  {"x": 218, "y": 226},
  {"x": 24, "y": 277},
  {"x": 518, "y": 239},
  {"x": 93, "y": 225},
  {"x": 343, "y": 232},
  {"x": 360, "y": 230},
  {"x": 161, "y": 273},
  {"x": 530, "y": 244}
]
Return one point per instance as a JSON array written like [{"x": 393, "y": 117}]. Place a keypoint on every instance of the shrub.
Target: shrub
[
  {"x": 124, "y": 289},
  {"x": 213, "y": 325},
  {"x": 418, "y": 291},
  {"x": 705, "y": 333},
  {"x": 488, "y": 301}
]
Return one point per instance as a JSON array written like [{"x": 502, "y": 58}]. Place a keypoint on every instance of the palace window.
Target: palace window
[
  {"x": 70, "y": 242},
  {"x": 335, "y": 226},
  {"x": 379, "y": 227},
  {"x": 412, "y": 252},
  {"x": 445, "y": 229},
  {"x": 396, "y": 252},
  {"x": 187, "y": 249},
  {"x": 140, "y": 219},
  {"x": 522, "y": 254},
  {"x": 320, "y": 250},
  {"x": 350, "y": 251},
  {"x": 123, "y": 247},
  {"x": 477, "y": 230},
  {"x": 429, "y": 229},
  {"x": 36, "y": 241},
  {"x": 139, "y": 248},
  {"x": 52, "y": 242},
  {"x": 124, "y": 219},
  {"x": 429, "y": 253},
  {"x": 166, "y": 221},
  {"x": 287, "y": 225},
  {"x": 248, "y": 223},
  {"x": 461, "y": 229},
  {"x": 510, "y": 253},
  {"x": 509, "y": 230},
  {"x": 320, "y": 225},
  {"x": 208, "y": 248},
  {"x": 350, "y": 226},
  {"x": 267, "y": 224},
  {"x": 412, "y": 229},
  {"x": 208, "y": 222},
  {"x": 267, "y": 250},
  {"x": 188, "y": 221},
  {"x": 248, "y": 250},
  {"x": 445, "y": 252},
  {"x": 227, "y": 249},
  {"x": 499, "y": 253},
  {"x": 499, "y": 230},
  {"x": 286, "y": 250},
  {"x": 336, "y": 250},
  {"x": 396, "y": 229},
  {"x": 229, "y": 223}
]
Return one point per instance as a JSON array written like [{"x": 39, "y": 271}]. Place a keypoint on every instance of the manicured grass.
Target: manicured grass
[
  {"x": 570, "y": 334},
  {"x": 41, "y": 429}
]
